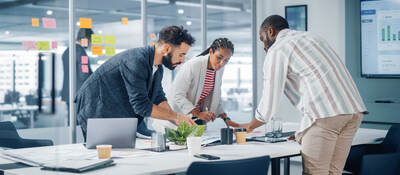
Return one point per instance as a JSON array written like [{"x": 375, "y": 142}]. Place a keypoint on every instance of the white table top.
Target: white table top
[{"x": 179, "y": 161}]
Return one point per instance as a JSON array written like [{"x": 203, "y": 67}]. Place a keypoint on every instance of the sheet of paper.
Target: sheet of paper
[
  {"x": 97, "y": 50},
  {"x": 124, "y": 20},
  {"x": 43, "y": 45},
  {"x": 54, "y": 44},
  {"x": 132, "y": 153},
  {"x": 85, "y": 68},
  {"x": 84, "y": 60},
  {"x": 49, "y": 23},
  {"x": 85, "y": 23},
  {"x": 35, "y": 22},
  {"x": 44, "y": 155},
  {"x": 109, "y": 39},
  {"x": 29, "y": 45},
  {"x": 110, "y": 51},
  {"x": 97, "y": 39}
]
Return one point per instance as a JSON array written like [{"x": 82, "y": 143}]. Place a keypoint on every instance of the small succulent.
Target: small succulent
[{"x": 184, "y": 130}]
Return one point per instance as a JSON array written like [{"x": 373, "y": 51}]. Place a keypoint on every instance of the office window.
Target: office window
[
  {"x": 232, "y": 20},
  {"x": 162, "y": 13},
  {"x": 28, "y": 29}
]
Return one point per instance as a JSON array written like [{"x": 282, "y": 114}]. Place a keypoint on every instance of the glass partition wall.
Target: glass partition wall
[{"x": 35, "y": 34}]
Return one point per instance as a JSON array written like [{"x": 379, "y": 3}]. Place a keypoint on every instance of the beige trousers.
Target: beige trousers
[{"x": 326, "y": 144}]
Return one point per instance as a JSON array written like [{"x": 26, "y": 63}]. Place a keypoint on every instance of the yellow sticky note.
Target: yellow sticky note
[
  {"x": 97, "y": 39},
  {"x": 110, "y": 39},
  {"x": 110, "y": 51},
  {"x": 85, "y": 23},
  {"x": 97, "y": 50},
  {"x": 35, "y": 22},
  {"x": 43, "y": 45},
  {"x": 124, "y": 20}
]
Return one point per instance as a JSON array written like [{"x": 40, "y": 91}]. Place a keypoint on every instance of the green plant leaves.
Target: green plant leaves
[
  {"x": 198, "y": 130},
  {"x": 184, "y": 130}
]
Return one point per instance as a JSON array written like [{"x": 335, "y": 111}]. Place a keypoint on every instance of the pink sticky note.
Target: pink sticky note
[
  {"x": 29, "y": 45},
  {"x": 84, "y": 60},
  {"x": 54, "y": 44},
  {"x": 49, "y": 23},
  {"x": 85, "y": 69}
]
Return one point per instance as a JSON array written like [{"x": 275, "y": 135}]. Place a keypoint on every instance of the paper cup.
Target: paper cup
[
  {"x": 194, "y": 145},
  {"x": 104, "y": 151}
]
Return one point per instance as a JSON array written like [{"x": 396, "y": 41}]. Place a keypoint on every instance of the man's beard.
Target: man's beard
[
  {"x": 269, "y": 42},
  {"x": 167, "y": 61}
]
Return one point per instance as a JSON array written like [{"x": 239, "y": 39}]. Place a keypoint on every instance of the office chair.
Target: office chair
[
  {"x": 257, "y": 166},
  {"x": 382, "y": 157},
  {"x": 9, "y": 138}
]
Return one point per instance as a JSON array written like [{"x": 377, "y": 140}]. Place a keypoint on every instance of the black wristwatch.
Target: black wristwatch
[{"x": 226, "y": 118}]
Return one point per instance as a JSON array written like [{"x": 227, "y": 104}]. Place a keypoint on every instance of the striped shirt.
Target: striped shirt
[
  {"x": 208, "y": 86},
  {"x": 305, "y": 68}
]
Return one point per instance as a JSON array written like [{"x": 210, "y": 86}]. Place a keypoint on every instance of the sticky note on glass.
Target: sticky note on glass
[
  {"x": 97, "y": 50},
  {"x": 124, "y": 20},
  {"x": 54, "y": 44},
  {"x": 29, "y": 45},
  {"x": 49, "y": 23},
  {"x": 85, "y": 68},
  {"x": 97, "y": 39},
  {"x": 110, "y": 39},
  {"x": 85, "y": 23},
  {"x": 35, "y": 22},
  {"x": 84, "y": 60},
  {"x": 110, "y": 51},
  {"x": 43, "y": 45}
]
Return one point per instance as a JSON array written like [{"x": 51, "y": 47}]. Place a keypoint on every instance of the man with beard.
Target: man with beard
[
  {"x": 129, "y": 84},
  {"x": 307, "y": 70}
]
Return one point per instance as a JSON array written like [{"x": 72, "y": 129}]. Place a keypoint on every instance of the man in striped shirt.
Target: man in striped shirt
[{"x": 307, "y": 70}]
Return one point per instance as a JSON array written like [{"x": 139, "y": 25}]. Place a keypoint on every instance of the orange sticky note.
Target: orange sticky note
[
  {"x": 85, "y": 23},
  {"x": 54, "y": 44},
  {"x": 85, "y": 68},
  {"x": 97, "y": 50},
  {"x": 49, "y": 23},
  {"x": 124, "y": 20},
  {"x": 84, "y": 60},
  {"x": 35, "y": 22}
]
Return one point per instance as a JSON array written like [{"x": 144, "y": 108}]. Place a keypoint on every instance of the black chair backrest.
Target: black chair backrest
[
  {"x": 381, "y": 164},
  {"x": 9, "y": 138},
  {"x": 257, "y": 166},
  {"x": 8, "y": 131},
  {"x": 391, "y": 143}
]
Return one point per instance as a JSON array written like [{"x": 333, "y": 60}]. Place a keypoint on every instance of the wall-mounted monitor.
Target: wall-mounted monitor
[{"x": 380, "y": 38}]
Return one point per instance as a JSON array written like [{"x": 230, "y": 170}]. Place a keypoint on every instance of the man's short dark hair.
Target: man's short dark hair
[
  {"x": 175, "y": 35},
  {"x": 84, "y": 33},
  {"x": 276, "y": 22}
]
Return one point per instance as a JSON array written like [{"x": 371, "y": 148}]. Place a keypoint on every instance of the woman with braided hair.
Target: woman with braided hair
[{"x": 196, "y": 90}]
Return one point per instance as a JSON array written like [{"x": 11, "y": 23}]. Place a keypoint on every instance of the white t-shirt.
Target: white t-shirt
[{"x": 155, "y": 68}]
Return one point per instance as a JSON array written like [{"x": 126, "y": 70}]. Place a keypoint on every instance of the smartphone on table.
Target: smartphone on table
[{"x": 207, "y": 156}]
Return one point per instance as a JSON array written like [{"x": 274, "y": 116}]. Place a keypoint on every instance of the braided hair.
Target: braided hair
[{"x": 219, "y": 43}]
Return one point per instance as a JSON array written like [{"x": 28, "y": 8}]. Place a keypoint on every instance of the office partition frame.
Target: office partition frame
[{"x": 72, "y": 70}]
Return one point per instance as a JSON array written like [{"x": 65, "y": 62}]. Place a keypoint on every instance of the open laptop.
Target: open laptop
[{"x": 118, "y": 132}]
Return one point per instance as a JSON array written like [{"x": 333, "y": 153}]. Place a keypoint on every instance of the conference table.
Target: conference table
[{"x": 172, "y": 162}]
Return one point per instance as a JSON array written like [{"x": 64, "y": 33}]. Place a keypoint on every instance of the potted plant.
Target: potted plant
[{"x": 183, "y": 131}]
